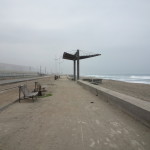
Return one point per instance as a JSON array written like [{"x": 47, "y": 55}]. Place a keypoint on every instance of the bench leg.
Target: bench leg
[
  {"x": 19, "y": 94},
  {"x": 33, "y": 99}
]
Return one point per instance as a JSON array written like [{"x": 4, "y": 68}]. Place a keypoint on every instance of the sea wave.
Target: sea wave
[
  {"x": 140, "y": 77},
  {"x": 126, "y": 78}
]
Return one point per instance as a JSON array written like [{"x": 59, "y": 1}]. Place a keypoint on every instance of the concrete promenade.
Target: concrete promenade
[
  {"x": 135, "y": 107},
  {"x": 71, "y": 119}
]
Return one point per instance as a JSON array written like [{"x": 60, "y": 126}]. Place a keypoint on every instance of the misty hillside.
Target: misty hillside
[{"x": 6, "y": 68}]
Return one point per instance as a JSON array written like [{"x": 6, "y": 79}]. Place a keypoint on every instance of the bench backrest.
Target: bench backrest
[{"x": 24, "y": 90}]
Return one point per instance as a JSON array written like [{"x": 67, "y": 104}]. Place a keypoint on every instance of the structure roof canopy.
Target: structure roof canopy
[{"x": 74, "y": 57}]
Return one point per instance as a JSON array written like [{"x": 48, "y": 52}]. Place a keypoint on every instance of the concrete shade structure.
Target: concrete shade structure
[{"x": 77, "y": 57}]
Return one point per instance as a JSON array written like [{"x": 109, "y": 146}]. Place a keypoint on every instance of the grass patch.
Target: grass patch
[{"x": 43, "y": 96}]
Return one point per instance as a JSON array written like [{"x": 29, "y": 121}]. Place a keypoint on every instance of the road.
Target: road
[{"x": 71, "y": 119}]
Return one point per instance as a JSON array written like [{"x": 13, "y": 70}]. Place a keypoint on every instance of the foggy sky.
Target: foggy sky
[{"x": 37, "y": 32}]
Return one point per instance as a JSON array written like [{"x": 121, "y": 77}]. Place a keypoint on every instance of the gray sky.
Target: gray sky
[{"x": 35, "y": 32}]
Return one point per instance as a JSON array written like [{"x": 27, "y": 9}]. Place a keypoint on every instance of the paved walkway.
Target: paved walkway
[{"x": 71, "y": 119}]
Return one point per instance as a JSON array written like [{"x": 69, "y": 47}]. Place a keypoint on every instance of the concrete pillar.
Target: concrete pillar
[
  {"x": 74, "y": 70},
  {"x": 78, "y": 66}
]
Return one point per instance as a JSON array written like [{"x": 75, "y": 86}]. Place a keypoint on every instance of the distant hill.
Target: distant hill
[{"x": 15, "y": 68}]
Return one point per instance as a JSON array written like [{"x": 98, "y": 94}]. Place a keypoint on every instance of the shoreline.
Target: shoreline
[{"x": 129, "y": 78}]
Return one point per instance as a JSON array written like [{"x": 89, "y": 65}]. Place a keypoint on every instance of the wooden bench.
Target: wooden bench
[
  {"x": 23, "y": 89},
  {"x": 56, "y": 77},
  {"x": 39, "y": 88},
  {"x": 89, "y": 80},
  {"x": 93, "y": 81},
  {"x": 96, "y": 81}
]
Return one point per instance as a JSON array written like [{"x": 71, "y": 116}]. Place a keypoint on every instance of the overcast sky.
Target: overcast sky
[{"x": 36, "y": 32}]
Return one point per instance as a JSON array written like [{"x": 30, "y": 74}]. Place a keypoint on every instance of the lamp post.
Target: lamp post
[
  {"x": 78, "y": 65},
  {"x": 74, "y": 70}
]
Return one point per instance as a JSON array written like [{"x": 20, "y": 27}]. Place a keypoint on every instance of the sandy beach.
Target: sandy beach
[{"x": 138, "y": 90}]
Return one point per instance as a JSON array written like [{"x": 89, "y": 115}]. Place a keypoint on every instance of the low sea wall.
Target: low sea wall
[{"x": 137, "y": 108}]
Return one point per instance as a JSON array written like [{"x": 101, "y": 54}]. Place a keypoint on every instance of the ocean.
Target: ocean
[{"x": 126, "y": 78}]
